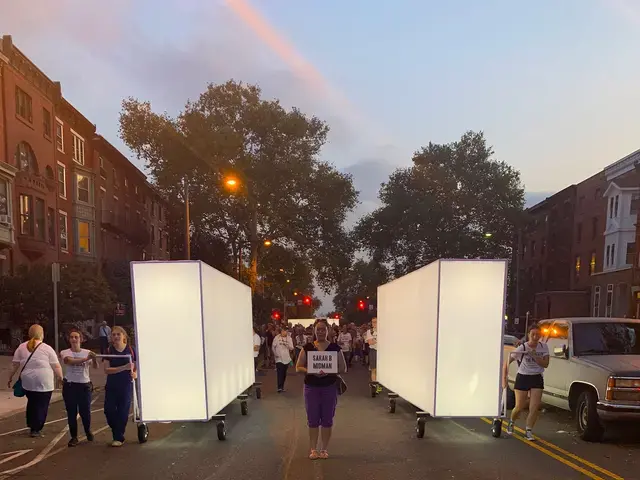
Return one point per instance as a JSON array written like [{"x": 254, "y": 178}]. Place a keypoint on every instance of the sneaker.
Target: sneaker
[
  {"x": 379, "y": 389},
  {"x": 90, "y": 437},
  {"x": 510, "y": 428},
  {"x": 73, "y": 442},
  {"x": 529, "y": 436},
  {"x": 117, "y": 443},
  {"x": 279, "y": 390},
  {"x": 35, "y": 434}
]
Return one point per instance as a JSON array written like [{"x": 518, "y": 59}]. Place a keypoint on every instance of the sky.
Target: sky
[{"x": 552, "y": 83}]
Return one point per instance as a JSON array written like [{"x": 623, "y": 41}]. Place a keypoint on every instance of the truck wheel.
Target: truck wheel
[{"x": 589, "y": 427}]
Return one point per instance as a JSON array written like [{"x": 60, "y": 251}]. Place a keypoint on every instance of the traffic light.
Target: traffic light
[
  {"x": 337, "y": 316},
  {"x": 275, "y": 314},
  {"x": 361, "y": 305},
  {"x": 307, "y": 301}
]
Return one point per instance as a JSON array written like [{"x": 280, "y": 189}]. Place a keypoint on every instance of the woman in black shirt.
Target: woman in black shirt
[{"x": 320, "y": 391}]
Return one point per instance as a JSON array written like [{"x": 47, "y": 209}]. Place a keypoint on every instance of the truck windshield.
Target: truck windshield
[{"x": 606, "y": 338}]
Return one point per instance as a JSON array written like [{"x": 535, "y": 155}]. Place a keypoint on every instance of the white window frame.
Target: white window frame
[
  {"x": 595, "y": 308},
  {"x": 77, "y": 145},
  {"x": 88, "y": 202},
  {"x": 61, "y": 123},
  {"x": 64, "y": 179},
  {"x": 64, "y": 214},
  {"x": 608, "y": 309},
  {"x": 78, "y": 222}
]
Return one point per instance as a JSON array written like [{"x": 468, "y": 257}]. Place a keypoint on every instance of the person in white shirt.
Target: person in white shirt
[
  {"x": 345, "y": 340},
  {"x": 282, "y": 349},
  {"x": 40, "y": 367},
  {"x": 76, "y": 389},
  {"x": 371, "y": 337},
  {"x": 532, "y": 358},
  {"x": 257, "y": 343},
  {"x": 105, "y": 337}
]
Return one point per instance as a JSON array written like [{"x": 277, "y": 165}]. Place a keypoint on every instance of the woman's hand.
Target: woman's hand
[
  {"x": 134, "y": 374},
  {"x": 9, "y": 383}
]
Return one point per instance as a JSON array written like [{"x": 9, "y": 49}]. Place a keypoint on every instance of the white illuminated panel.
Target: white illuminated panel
[
  {"x": 470, "y": 332},
  {"x": 167, "y": 309},
  {"x": 194, "y": 337},
  {"x": 228, "y": 334},
  {"x": 407, "y": 322},
  {"x": 440, "y": 333}
]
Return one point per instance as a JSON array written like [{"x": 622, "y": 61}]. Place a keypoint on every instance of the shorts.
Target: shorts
[
  {"x": 373, "y": 358},
  {"x": 524, "y": 383},
  {"x": 320, "y": 404}
]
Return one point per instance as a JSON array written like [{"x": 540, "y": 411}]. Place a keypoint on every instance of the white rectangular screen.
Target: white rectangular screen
[
  {"x": 470, "y": 331},
  {"x": 228, "y": 327},
  {"x": 407, "y": 318},
  {"x": 167, "y": 313}
]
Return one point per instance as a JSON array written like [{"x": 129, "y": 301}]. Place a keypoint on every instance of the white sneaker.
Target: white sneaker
[{"x": 529, "y": 436}]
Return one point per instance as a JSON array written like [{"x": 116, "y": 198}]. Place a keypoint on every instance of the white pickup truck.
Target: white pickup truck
[{"x": 594, "y": 371}]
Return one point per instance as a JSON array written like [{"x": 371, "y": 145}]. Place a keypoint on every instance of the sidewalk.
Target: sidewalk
[{"x": 10, "y": 405}]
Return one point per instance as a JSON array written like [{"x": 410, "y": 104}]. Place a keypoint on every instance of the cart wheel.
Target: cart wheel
[
  {"x": 258, "y": 393},
  {"x": 374, "y": 390},
  {"x": 420, "y": 427},
  {"x": 244, "y": 408},
  {"x": 496, "y": 428},
  {"x": 222, "y": 431},
  {"x": 143, "y": 433},
  {"x": 392, "y": 406}
]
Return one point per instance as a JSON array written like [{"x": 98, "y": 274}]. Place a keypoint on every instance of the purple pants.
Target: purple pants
[{"x": 320, "y": 403}]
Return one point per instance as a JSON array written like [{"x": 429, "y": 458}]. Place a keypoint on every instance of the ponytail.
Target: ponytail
[
  {"x": 31, "y": 345},
  {"x": 36, "y": 333}
]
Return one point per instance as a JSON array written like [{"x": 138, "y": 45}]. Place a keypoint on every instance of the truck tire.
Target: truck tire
[{"x": 589, "y": 426}]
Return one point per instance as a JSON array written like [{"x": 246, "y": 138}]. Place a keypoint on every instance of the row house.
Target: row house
[{"x": 65, "y": 192}]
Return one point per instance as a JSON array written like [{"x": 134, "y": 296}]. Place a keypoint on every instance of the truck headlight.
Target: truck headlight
[{"x": 623, "y": 388}]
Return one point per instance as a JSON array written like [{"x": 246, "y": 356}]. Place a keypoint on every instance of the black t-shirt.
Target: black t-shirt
[
  {"x": 330, "y": 378},
  {"x": 122, "y": 379}
]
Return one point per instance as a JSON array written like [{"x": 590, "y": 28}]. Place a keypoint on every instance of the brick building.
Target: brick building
[{"x": 65, "y": 192}]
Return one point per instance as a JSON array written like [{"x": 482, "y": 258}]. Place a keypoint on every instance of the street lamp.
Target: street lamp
[
  {"x": 488, "y": 235},
  {"x": 268, "y": 243},
  {"x": 231, "y": 182}
]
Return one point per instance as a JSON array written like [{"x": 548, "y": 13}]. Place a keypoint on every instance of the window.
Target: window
[
  {"x": 135, "y": 190},
  {"x": 62, "y": 221},
  {"x": 592, "y": 264},
  {"x": 62, "y": 180},
  {"x": 631, "y": 252},
  {"x": 615, "y": 208},
  {"x": 579, "y": 233},
  {"x": 611, "y": 207},
  {"x": 594, "y": 227},
  {"x": 153, "y": 236},
  {"x": 613, "y": 255},
  {"x": 78, "y": 148},
  {"x": 103, "y": 171},
  {"x": 115, "y": 178},
  {"x": 51, "y": 222},
  {"x": 635, "y": 201},
  {"x": 577, "y": 266},
  {"x": 46, "y": 122},
  {"x": 25, "y": 158},
  {"x": 126, "y": 182},
  {"x": 26, "y": 215},
  {"x": 84, "y": 237},
  {"x": 4, "y": 197},
  {"x": 596, "y": 301},
  {"x": 103, "y": 200},
  {"x": 24, "y": 105},
  {"x": 609, "y": 306},
  {"x": 608, "y": 257},
  {"x": 59, "y": 136},
  {"x": 83, "y": 188},
  {"x": 40, "y": 224}
]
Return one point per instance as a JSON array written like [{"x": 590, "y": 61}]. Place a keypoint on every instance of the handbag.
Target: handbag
[
  {"x": 341, "y": 385},
  {"x": 18, "y": 390}
]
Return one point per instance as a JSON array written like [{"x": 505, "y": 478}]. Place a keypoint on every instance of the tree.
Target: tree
[
  {"x": 360, "y": 284},
  {"x": 282, "y": 191},
  {"x": 456, "y": 201}
]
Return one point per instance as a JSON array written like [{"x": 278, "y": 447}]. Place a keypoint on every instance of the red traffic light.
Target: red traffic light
[
  {"x": 337, "y": 316},
  {"x": 307, "y": 300},
  {"x": 361, "y": 305},
  {"x": 275, "y": 314}
]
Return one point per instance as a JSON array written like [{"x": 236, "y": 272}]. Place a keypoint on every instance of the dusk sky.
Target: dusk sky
[{"x": 553, "y": 83}]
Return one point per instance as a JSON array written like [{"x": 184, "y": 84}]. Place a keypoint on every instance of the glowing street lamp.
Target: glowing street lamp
[
  {"x": 488, "y": 235},
  {"x": 268, "y": 243},
  {"x": 231, "y": 182}
]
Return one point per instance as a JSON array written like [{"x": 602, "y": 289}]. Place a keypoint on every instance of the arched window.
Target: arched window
[{"x": 25, "y": 158}]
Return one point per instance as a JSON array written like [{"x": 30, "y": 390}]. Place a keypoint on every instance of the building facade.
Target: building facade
[{"x": 65, "y": 192}]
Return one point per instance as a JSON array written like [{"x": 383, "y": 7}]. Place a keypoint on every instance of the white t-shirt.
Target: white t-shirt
[
  {"x": 344, "y": 340},
  {"x": 372, "y": 335},
  {"x": 528, "y": 366},
  {"x": 38, "y": 375},
  {"x": 257, "y": 341},
  {"x": 76, "y": 373},
  {"x": 281, "y": 348}
]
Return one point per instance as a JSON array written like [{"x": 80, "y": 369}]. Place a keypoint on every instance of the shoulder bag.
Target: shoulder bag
[{"x": 18, "y": 391}]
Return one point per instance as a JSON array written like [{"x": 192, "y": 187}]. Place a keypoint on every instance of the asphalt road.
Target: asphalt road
[{"x": 271, "y": 443}]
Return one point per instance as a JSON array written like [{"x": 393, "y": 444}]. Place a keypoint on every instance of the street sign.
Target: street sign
[
  {"x": 290, "y": 304},
  {"x": 516, "y": 321},
  {"x": 55, "y": 272}
]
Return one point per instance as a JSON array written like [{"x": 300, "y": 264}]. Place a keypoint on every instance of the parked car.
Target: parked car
[{"x": 594, "y": 371}]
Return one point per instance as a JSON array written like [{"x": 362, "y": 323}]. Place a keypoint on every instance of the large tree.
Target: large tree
[
  {"x": 281, "y": 192},
  {"x": 455, "y": 201},
  {"x": 360, "y": 284}
]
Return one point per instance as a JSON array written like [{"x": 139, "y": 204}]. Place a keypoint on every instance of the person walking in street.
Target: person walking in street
[
  {"x": 119, "y": 389},
  {"x": 39, "y": 368},
  {"x": 320, "y": 392},
  {"x": 282, "y": 351},
  {"x": 76, "y": 389},
  {"x": 257, "y": 343},
  {"x": 345, "y": 340},
  {"x": 533, "y": 358},
  {"x": 105, "y": 337},
  {"x": 371, "y": 337}
]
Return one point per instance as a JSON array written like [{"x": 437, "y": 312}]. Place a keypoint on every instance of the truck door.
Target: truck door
[{"x": 557, "y": 376}]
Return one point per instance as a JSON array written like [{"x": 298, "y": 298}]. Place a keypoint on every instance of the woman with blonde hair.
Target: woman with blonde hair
[
  {"x": 39, "y": 366},
  {"x": 119, "y": 388}
]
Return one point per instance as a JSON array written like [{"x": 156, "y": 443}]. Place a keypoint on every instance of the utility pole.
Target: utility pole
[{"x": 55, "y": 278}]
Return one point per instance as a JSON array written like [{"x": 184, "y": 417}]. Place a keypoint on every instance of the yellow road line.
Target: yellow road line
[{"x": 564, "y": 461}]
